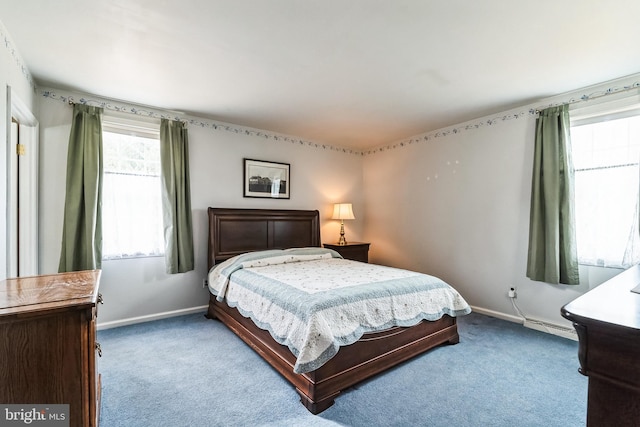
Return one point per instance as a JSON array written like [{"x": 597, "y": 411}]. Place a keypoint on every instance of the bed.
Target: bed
[{"x": 233, "y": 232}]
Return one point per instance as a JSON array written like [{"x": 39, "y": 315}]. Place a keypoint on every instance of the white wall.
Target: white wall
[
  {"x": 15, "y": 75},
  {"x": 457, "y": 206},
  {"x": 140, "y": 287}
]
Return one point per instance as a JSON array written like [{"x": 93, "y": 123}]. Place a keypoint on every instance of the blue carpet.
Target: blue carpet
[{"x": 191, "y": 371}]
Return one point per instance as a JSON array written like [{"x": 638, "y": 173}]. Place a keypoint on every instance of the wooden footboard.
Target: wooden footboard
[{"x": 372, "y": 354}]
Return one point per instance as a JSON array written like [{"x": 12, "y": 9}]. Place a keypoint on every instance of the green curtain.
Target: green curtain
[
  {"x": 176, "y": 196},
  {"x": 552, "y": 239},
  {"x": 82, "y": 227}
]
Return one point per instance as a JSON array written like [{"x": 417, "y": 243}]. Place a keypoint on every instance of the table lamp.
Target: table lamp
[{"x": 342, "y": 211}]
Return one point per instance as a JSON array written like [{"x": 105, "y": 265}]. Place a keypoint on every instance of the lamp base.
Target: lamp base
[{"x": 342, "y": 240}]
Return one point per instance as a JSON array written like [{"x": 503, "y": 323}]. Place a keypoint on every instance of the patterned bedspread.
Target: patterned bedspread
[{"x": 313, "y": 301}]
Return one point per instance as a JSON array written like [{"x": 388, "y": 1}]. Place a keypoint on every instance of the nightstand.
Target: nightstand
[{"x": 356, "y": 251}]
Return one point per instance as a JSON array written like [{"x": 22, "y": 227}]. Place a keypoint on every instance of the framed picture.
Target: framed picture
[{"x": 266, "y": 179}]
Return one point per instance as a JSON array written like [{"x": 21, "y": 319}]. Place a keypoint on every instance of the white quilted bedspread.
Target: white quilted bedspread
[{"x": 313, "y": 301}]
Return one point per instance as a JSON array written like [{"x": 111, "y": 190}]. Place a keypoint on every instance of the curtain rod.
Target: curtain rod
[
  {"x": 591, "y": 97},
  {"x": 134, "y": 112}
]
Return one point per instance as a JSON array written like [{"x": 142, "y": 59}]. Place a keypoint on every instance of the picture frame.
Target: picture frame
[{"x": 265, "y": 179}]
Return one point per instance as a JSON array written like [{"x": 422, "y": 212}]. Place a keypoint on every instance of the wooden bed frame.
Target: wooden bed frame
[{"x": 236, "y": 231}]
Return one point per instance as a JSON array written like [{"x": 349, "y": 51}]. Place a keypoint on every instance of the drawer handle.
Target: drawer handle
[
  {"x": 100, "y": 300},
  {"x": 99, "y": 349}
]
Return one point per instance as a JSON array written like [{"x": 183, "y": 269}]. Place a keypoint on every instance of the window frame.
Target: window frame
[
  {"x": 604, "y": 109},
  {"x": 140, "y": 127}
]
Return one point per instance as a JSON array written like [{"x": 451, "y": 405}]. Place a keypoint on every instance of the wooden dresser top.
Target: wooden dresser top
[
  {"x": 47, "y": 292},
  {"x": 611, "y": 303}
]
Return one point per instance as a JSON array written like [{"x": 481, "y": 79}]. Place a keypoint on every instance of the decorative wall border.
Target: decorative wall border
[
  {"x": 9, "y": 46},
  {"x": 444, "y": 132},
  {"x": 525, "y": 111},
  {"x": 193, "y": 121},
  {"x": 591, "y": 96}
]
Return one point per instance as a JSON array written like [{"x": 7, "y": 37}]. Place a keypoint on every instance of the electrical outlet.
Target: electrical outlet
[
  {"x": 512, "y": 293},
  {"x": 205, "y": 283}
]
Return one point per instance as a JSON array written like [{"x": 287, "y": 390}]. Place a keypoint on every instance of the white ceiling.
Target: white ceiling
[{"x": 352, "y": 73}]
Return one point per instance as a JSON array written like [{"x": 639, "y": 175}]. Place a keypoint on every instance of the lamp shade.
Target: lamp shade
[{"x": 342, "y": 211}]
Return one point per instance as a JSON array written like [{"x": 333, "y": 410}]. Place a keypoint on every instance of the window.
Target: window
[
  {"x": 606, "y": 151},
  {"x": 131, "y": 199}
]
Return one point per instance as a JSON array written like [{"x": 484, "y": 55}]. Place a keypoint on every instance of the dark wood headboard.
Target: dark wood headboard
[{"x": 236, "y": 231}]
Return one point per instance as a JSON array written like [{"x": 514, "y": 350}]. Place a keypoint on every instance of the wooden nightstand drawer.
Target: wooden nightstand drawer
[{"x": 356, "y": 251}]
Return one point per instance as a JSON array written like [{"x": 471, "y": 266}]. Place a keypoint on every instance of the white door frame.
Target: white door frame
[{"x": 28, "y": 233}]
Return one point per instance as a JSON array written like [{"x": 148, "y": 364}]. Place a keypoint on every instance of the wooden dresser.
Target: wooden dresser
[
  {"x": 48, "y": 351},
  {"x": 607, "y": 320}
]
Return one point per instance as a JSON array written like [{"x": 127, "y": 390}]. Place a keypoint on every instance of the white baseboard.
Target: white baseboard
[
  {"x": 151, "y": 317},
  {"x": 539, "y": 325},
  {"x": 498, "y": 314}
]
